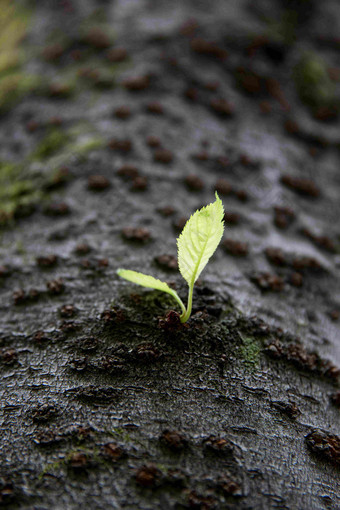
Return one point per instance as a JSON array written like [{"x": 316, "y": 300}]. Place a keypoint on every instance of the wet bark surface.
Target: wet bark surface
[{"x": 138, "y": 113}]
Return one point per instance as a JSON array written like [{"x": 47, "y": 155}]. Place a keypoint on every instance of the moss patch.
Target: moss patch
[
  {"x": 250, "y": 351},
  {"x": 313, "y": 82},
  {"x": 14, "y": 83},
  {"x": 53, "y": 142},
  {"x": 18, "y": 192}
]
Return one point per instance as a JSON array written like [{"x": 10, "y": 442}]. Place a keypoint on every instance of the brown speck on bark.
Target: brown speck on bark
[
  {"x": 147, "y": 352},
  {"x": 296, "y": 279},
  {"x": 166, "y": 211},
  {"x": 324, "y": 445},
  {"x": 77, "y": 55},
  {"x": 191, "y": 93},
  {"x": 139, "y": 183},
  {"x": 288, "y": 408},
  {"x": 21, "y": 297},
  {"x": 112, "y": 451},
  {"x": 47, "y": 261},
  {"x": 229, "y": 486},
  {"x": 242, "y": 195},
  {"x": 189, "y": 27},
  {"x": 218, "y": 445},
  {"x": 171, "y": 322},
  {"x": 231, "y": 218},
  {"x": 201, "y": 156},
  {"x": 61, "y": 176},
  {"x": 155, "y": 107},
  {"x": 78, "y": 461},
  {"x": 53, "y": 52},
  {"x": 120, "y": 145},
  {"x": 236, "y": 248},
  {"x": 67, "y": 311},
  {"x": 334, "y": 315},
  {"x": 59, "y": 90},
  {"x": 201, "y": 502},
  {"x": 306, "y": 264},
  {"x": 168, "y": 262},
  {"x": 211, "y": 49},
  {"x": 56, "y": 286},
  {"x": 122, "y": 112},
  {"x": 148, "y": 476},
  {"x": 136, "y": 84},
  {"x": 57, "y": 209},
  {"x": 212, "y": 86},
  {"x": 43, "y": 413},
  {"x": 69, "y": 327},
  {"x": 179, "y": 223},
  {"x": 104, "y": 262},
  {"x": 128, "y": 171},
  {"x": 40, "y": 338},
  {"x": 97, "y": 38},
  {"x": 98, "y": 182},
  {"x": 194, "y": 183},
  {"x": 283, "y": 217},
  {"x": 265, "y": 107},
  {"x": 304, "y": 187},
  {"x": 153, "y": 141},
  {"x": 276, "y": 256},
  {"x": 82, "y": 249},
  {"x": 322, "y": 241},
  {"x": 137, "y": 234},
  {"x": 163, "y": 156},
  {"x": 173, "y": 440},
  {"x": 32, "y": 126},
  {"x": 222, "y": 107},
  {"x": 335, "y": 398},
  {"x": 274, "y": 349},
  {"x": 326, "y": 113},
  {"x": 223, "y": 187},
  {"x": 117, "y": 54},
  {"x": 248, "y": 162},
  {"x": 112, "y": 316},
  {"x": 249, "y": 81},
  {"x": 266, "y": 282},
  {"x": 299, "y": 356},
  {"x": 5, "y": 271},
  {"x": 8, "y": 356}
]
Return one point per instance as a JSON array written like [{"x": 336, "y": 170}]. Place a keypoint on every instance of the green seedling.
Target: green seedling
[{"x": 197, "y": 242}]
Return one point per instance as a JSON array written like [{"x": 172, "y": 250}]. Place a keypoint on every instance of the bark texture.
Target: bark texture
[{"x": 138, "y": 112}]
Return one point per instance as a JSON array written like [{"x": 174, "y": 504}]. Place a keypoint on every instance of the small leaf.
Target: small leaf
[
  {"x": 149, "y": 281},
  {"x": 199, "y": 239}
]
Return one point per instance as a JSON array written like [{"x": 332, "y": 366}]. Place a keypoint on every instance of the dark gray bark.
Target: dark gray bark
[{"x": 105, "y": 403}]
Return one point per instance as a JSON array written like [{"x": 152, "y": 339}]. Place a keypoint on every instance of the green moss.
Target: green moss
[
  {"x": 120, "y": 433},
  {"x": 52, "y": 143},
  {"x": 13, "y": 23},
  {"x": 14, "y": 83},
  {"x": 14, "y": 86},
  {"x": 283, "y": 30},
  {"x": 250, "y": 351},
  {"x": 313, "y": 82},
  {"x": 18, "y": 193},
  {"x": 84, "y": 148}
]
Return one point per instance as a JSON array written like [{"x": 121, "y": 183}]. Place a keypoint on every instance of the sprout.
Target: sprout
[{"x": 197, "y": 242}]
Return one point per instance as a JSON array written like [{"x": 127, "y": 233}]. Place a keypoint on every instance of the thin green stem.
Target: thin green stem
[
  {"x": 185, "y": 316},
  {"x": 174, "y": 294}
]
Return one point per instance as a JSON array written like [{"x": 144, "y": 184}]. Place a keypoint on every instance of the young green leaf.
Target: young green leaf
[
  {"x": 196, "y": 244},
  {"x": 149, "y": 281},
  {"x": 199, "y": 239}
]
